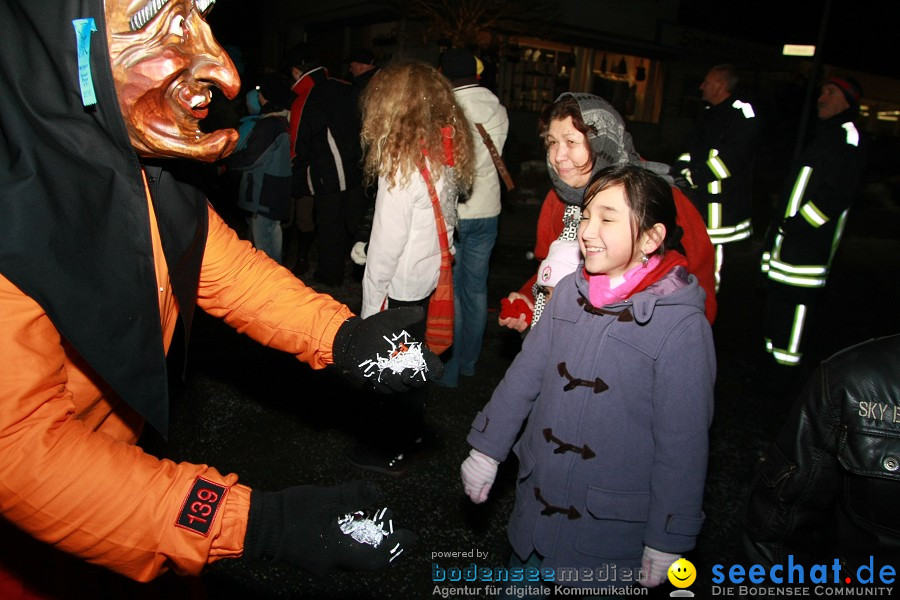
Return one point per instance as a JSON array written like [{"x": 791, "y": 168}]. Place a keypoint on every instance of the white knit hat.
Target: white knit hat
[{"x": 563, "y": 258}]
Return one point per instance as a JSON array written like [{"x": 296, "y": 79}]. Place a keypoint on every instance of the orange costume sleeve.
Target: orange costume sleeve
[
  {"x": 265, "y": 301},
  {"x": 71, "y": 475}
]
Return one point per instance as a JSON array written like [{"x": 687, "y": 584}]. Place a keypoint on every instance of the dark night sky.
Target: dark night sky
[{"x": 859, "y": 33}]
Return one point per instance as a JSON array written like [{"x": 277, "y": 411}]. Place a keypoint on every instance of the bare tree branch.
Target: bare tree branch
[{"x": 461, "y": 21}]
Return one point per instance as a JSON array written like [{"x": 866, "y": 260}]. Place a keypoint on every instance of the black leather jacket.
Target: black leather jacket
[{"x": 829, "y": 486}]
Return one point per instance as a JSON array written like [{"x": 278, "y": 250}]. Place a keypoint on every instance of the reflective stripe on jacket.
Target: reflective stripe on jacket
[{"x": 821, "y": 194}]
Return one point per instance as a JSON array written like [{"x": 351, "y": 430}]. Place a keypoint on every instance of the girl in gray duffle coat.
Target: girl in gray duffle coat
[{"x": 617, "y": 390}]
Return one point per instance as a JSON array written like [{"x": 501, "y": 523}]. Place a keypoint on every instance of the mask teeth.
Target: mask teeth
[{"x": 143, "y": 16}]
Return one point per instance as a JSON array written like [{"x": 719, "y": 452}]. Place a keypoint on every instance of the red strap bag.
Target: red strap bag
[{"x": 439, "y": 323}]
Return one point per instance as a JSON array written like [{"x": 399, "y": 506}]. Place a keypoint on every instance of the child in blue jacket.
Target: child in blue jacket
[
  {"x": 617, "y": 390},
  {"x": 265, "y": 162}
]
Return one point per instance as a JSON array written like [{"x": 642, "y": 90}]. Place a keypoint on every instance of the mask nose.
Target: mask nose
[{"x": 210, "y": 62}]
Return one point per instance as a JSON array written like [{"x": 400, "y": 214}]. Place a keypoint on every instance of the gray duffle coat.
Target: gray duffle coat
[{"x": 618, "y": 403}]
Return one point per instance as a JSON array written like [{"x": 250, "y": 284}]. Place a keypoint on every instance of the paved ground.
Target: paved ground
[{"x": 255, "y": 412}]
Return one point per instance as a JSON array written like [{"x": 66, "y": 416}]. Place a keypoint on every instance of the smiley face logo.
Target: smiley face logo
[{"x": 682, "y": 573}]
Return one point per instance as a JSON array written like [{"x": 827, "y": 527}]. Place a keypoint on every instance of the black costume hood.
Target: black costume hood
[{"x": 74, "y": 224}]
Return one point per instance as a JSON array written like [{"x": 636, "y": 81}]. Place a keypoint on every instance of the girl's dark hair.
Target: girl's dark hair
[
  {"x": 648, "y": 196},
  {"x": 559, "y": 110}
]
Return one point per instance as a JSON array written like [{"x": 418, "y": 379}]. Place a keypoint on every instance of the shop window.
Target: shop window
[
  {"x": 534, "y": 72},
  {"x": 533, "y": 76},
  {"x": 632, "y": 84}
]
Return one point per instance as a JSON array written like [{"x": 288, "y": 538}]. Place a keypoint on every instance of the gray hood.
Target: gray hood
[{"x": 610, "y": 143}]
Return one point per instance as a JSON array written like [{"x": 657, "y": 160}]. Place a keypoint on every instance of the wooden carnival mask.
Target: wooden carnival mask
[{"x": 165, "y": 61}]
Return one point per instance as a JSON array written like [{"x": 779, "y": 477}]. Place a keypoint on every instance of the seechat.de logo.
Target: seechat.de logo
[{"x": 795, "y": 573}]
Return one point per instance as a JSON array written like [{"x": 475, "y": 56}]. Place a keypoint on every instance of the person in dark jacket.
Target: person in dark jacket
[
  {"x": 827, "y": 487},
  {"x": 327, "y": 159},
  {"x": 265, "y": 162},
  {"x": 361, "y": 64},
  {"x": 363, "y": 67},
  {"x": 719, "y": 162},
  {"x": 823, "y": 183}
]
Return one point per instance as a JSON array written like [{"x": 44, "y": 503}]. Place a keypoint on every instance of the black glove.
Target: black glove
[
  {"x": 361, "y": 343},
  {"x": 322, "y": 528}
]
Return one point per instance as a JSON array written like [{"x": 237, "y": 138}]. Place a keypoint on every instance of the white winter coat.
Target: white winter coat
[
  {"x": 404, "y": 254},
  {"x": 482, "y": 106}
]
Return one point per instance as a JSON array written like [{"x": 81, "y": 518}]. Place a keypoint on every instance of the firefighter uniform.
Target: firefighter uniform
[
  {"x": 797, "y": 264},
  {"x": 719, "y": 167}
]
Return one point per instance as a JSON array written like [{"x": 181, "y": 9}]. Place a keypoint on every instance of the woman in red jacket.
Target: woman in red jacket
[{"x": 583, "y": 134}]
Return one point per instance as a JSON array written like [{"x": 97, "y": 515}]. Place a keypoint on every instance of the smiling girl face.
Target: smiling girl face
[
  {"x": 606, "y": 234},
  {"x": 165, "y": 61}
]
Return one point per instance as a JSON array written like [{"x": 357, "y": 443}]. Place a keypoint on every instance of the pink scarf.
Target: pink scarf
[{"x": 603, "y": 291}]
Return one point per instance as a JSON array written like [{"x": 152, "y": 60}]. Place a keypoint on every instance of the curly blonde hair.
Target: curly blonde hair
[{"x": 404, "y": 107}]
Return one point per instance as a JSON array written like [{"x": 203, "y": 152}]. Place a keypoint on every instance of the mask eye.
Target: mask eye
[{"x": 176, "y": 27}]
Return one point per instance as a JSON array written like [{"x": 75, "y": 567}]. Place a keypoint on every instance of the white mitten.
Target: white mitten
[
  {"x": 478, "y": 473},
  {"x": 655, "y": 566},
  {"x": 358, "y": 253}
]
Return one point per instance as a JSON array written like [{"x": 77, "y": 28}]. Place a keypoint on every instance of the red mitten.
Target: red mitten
[{"x": 514, "y": 309}]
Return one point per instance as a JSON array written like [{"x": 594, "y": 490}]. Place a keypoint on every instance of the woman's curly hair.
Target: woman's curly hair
[{"x": 404, "y": 108}]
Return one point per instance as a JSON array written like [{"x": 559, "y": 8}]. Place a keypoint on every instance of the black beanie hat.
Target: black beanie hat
[
  {"x": 849, "y": 87},
  {"x": 276, "y": 89},
  {"x": 303, "y": 56},
  {"x": 459, "y": 63}
]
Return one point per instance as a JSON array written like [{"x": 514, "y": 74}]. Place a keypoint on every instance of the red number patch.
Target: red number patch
[{"x": 200, "y": 506}]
